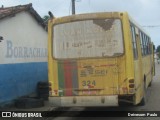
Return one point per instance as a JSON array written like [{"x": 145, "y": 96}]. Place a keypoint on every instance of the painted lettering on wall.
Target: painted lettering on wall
[{"x": 24, "y": 52}]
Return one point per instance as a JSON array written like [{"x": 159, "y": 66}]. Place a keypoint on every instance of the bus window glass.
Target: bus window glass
[
  {"x": 147, "y": 45},
  {"x": 88, "y": 39},
  {"x": 142, "y": 50},
  {"x": 150, "y": 46},
  {"x": 143, "y": 36},
  {"x": 134, "y": 42}
]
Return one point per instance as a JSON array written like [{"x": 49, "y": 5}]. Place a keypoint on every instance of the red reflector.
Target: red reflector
[{"x": 55, "y": 91}]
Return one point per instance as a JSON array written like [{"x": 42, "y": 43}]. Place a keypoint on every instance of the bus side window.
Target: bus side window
[
  {"x": 144, "y": 47},
  {"x": 147, "y": 45},
  {"x": 150, "y": 47},
  {"x": 142, "y": 50},
  {"x": 135, "y": 52}
]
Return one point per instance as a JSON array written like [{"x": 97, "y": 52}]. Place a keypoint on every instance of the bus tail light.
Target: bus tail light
[
  {"x": 131, "y": 85},
  {"x": 50, "y": 86},
  {"x": 131, "y": 90},
  {"x": 50, "y": 89},
  {"x": 131, "y": 81}
]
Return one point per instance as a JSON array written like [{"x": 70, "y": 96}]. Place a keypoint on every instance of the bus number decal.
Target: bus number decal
[{"x": 89, "y": 83}]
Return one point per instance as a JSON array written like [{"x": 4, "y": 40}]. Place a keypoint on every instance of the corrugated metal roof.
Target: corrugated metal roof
[{"x": 11, "y": 11}]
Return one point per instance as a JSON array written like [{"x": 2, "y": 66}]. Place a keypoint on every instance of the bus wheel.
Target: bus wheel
[{"x": 144, "y": 99}]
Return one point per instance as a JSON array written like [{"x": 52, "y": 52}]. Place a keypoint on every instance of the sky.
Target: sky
[{"x": 144, "y": 12}]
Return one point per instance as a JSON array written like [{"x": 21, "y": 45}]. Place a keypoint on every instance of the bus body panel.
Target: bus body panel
[
  {"x": 90, "y": 77},
  {"x": 114, "y": 78},
  {"x": 86, "y": 101}
]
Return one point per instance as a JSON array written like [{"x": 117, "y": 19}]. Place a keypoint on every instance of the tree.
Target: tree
[{"x": 46, "y": 18}]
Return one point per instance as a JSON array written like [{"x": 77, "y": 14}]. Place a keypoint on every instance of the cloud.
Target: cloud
[
  {"x": 145, "y": 12},
  {"x": 8, "y": 3}
]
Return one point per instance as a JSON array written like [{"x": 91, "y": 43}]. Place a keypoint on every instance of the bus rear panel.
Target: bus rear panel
[{"x": 90, "y": 61}]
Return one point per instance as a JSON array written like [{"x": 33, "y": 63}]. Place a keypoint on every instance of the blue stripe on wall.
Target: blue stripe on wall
[{"x": 20, "y": 79}]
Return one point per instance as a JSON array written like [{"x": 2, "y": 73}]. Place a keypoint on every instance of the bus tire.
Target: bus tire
[
  {"x": 43, "y": 90},
  {"x": 42, "y": 84},
  {"x": 144, "y": 99}
]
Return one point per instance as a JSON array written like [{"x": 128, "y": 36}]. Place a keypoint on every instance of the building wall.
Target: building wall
[{"x": 23, "y": 56}]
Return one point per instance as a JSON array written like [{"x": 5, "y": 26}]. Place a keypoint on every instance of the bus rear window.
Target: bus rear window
[{"x": 88, "y": 39}]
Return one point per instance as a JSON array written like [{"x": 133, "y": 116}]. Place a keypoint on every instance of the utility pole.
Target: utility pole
[{"x": 73, "y": 7}]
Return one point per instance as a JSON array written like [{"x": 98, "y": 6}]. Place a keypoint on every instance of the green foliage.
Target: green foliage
[{"x": 46, "y": 18}]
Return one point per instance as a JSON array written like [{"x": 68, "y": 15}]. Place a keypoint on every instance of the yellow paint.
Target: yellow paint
[
  {"x": 53, "y": 78},
  {"x": 110, "y": 76}
]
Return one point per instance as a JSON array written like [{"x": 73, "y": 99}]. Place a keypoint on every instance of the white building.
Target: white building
[{"x": 23, "y": 52}]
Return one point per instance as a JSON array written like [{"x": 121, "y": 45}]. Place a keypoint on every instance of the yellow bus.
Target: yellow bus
[{"x": 98, "y": 59}]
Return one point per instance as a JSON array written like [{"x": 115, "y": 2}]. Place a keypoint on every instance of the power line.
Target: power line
[
  {"x": 152, "y": 26},
  {"x": 78, "y": 0},
  {"x": 58, "y": 4}
]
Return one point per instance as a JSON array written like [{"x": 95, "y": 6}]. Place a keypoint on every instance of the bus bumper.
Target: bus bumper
[{"x": 84, "y": 101}]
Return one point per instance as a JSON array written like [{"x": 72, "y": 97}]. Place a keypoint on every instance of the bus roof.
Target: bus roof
[
  {"x": 98, "y": 15},
  {"x": 137, "y": 25}
]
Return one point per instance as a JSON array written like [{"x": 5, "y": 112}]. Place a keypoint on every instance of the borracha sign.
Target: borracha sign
[{"x": 24, "y": 52}]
